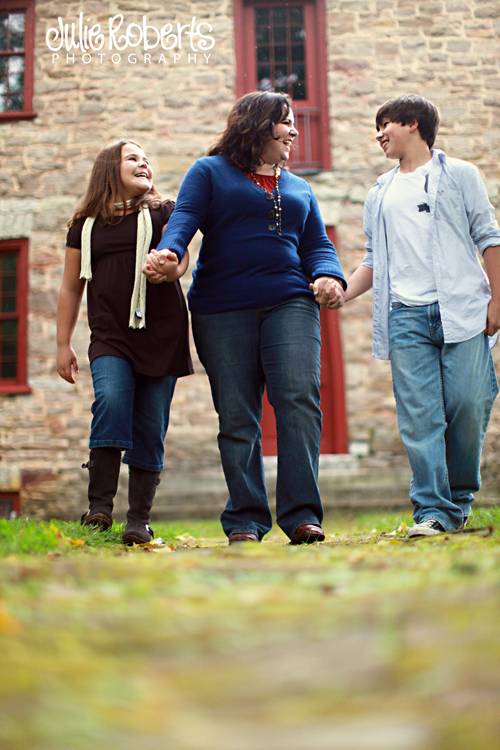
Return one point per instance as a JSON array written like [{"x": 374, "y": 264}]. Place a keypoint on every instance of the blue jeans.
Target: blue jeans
[
  {"x": 242, "y": 351},
  {"x": 130, "y": 411},
  {"x": 444, "y": 395}
]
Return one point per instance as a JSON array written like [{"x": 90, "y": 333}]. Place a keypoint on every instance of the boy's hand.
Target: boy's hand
[
  {"x": 328, "y": 292},
  {"x": 493, "y": 318}
]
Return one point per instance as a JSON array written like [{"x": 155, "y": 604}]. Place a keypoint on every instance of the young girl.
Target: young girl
[{"x": 138, "y": 331}]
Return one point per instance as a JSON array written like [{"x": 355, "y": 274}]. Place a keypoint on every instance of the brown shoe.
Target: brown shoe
[
  {"x": 307, "y": 533},
  {"x": 242, "y": 536}
]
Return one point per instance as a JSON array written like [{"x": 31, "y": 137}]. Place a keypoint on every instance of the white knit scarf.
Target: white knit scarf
[{"x": 137, "y": 318}]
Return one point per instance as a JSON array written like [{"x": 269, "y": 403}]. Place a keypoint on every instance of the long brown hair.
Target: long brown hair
[
  {"x": 249, "y": 127},
  {"x": 104, "y": 188}
]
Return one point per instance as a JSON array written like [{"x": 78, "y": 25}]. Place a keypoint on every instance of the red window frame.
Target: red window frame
[
  {"x": 18, "y": 384},
  {"x": 312, "y": 148},
  {"x": 12, "y": 502},
  {"x": 28, "y": 6}
]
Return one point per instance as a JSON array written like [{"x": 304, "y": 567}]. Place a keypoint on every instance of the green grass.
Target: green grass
[{"x": 365, "y": 642}]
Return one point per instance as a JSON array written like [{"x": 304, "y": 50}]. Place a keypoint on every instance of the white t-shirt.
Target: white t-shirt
[{"x": 408, "y": 222}]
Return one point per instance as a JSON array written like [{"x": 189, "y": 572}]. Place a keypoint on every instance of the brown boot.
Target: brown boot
[
  {"x": 104, "y": 470},
  {"x": 142, "y": 486}
]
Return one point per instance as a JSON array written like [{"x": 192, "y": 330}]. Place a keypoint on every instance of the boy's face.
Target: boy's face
[{"x": 394, "y": 138}]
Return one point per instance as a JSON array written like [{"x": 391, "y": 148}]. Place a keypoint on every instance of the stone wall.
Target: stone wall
[{"x": 376, "y": 48}]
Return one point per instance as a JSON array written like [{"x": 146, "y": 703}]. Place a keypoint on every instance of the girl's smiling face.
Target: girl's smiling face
[{"x": 136, "y": 175}]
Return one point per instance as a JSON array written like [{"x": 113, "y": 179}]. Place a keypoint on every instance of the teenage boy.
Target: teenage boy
[{"x": 435, "y": 312}]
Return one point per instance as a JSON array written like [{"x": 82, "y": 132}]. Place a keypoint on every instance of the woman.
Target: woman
[
  {"x": 138, "y": 332},
  {"x": 264, "y": 258}
]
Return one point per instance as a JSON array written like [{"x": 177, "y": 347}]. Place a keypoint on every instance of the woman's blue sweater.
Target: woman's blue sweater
[{"x": 243, "y": 263}]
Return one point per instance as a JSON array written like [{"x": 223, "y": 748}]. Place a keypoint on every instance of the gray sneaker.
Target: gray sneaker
[{"x": 429, "y": 527}]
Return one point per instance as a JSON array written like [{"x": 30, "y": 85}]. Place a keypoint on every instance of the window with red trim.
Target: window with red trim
[
  {"x": 13, "y": 315},
  {"x": 17, "y": 26},
  {"x": 281, "y": 46},
  {"x": 10, "y": 506}
]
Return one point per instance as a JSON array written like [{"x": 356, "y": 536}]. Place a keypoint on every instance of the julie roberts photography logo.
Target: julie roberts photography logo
[{"x": 117, "y": 41}]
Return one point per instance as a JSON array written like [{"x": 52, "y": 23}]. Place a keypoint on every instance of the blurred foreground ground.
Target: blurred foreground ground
[{"x": 365, "y": 642}]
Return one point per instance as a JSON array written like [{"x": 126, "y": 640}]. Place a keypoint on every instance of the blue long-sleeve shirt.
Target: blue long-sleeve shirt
[
  {"x": 463, "y": 220},
  {"x": 243, "y": 263}
]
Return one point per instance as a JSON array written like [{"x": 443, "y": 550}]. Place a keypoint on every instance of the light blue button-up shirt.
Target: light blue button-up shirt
[{"x": 463, "y": 223}]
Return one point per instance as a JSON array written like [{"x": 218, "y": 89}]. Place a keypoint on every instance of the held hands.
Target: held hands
[
  {"x": 67, "y": 363},
  {"x": 328, "y": 292},
  {"x": 161, "y": 266}
]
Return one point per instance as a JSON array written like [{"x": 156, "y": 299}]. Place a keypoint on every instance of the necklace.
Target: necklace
[
  {"x": 275, "y": 196},
  {"x": 124, "y": 204}
]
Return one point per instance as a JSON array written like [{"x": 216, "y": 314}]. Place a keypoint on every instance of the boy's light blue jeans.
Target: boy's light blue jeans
[{"x": 444, "y": 395}]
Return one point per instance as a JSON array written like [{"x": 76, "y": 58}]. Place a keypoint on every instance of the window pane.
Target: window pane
[
  {"x": 264, "y": 82},
  {"x": 297, "y": 53},
  {"x": 262, "y": 16},
  {"x": 8, "y": 369},
  {"x": 8, "y": 329},
  {"x": 16, "y": 75},
  {"x": 279, "y": 34},
  {"x": 299, "y": 85},
  {"x": 298, "y": 34},
  {"x": 297, "y": 16},
  {"x": 262, "y": 35},
  {"x": 280, "y": 54},
  {"x": 279, "y": 15},
  {"x": 3, "y": 30},
  {"x": 11, "y": 103},
  {"x": 16, "y": 28},
  {"x": 262, "y": 54},
  {"x": 8, "y": 349},
  {"x": 8, "y": 263}
]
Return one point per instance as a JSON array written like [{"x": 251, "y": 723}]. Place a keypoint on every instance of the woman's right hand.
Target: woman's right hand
[{"x": 67, "y": 363}]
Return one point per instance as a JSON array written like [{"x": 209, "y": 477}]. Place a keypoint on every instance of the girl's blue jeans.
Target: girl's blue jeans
[{"x": 130, "y": 411}]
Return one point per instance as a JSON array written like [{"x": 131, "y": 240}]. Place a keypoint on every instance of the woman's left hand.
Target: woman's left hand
[
  {"x": 328, "y": 292},
  {"x": 161, "y": 266}
]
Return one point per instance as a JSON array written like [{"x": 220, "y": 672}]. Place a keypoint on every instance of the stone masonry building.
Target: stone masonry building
[{"x": 166, "y": 75}]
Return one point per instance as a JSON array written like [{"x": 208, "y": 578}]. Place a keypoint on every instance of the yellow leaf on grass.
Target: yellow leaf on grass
[
  {"x": 77, "y": 542},
  {"x": 8, "y": 624}
]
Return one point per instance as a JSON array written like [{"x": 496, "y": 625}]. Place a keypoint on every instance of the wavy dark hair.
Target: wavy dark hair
[
  {"x": 410, "y": 108},
  {"x": 249, "y": 127},
  {"x": 105, "y": 187}
]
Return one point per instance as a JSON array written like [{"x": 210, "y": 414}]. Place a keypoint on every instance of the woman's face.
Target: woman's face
[
  {"x": 135, "y": 172},
  {"x": 277, "y": 148}
]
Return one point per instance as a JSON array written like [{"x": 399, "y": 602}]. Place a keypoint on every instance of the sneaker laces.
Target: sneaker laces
[{"x": 431, "y": 523}]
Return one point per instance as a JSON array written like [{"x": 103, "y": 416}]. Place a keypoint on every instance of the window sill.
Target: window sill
[
  {"x": 14, "y": 389},
  {"x": 8, "y": 116}
]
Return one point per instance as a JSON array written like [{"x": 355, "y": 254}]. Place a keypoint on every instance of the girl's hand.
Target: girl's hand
[
  {"x": 67, "y": 363},
  {"x": 161, "y": 266}
]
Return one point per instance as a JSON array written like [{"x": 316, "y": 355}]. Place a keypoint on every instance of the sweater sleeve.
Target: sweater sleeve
[
  {"x": 191, "y": 209},
  {"x": 317, "y": 252}
]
